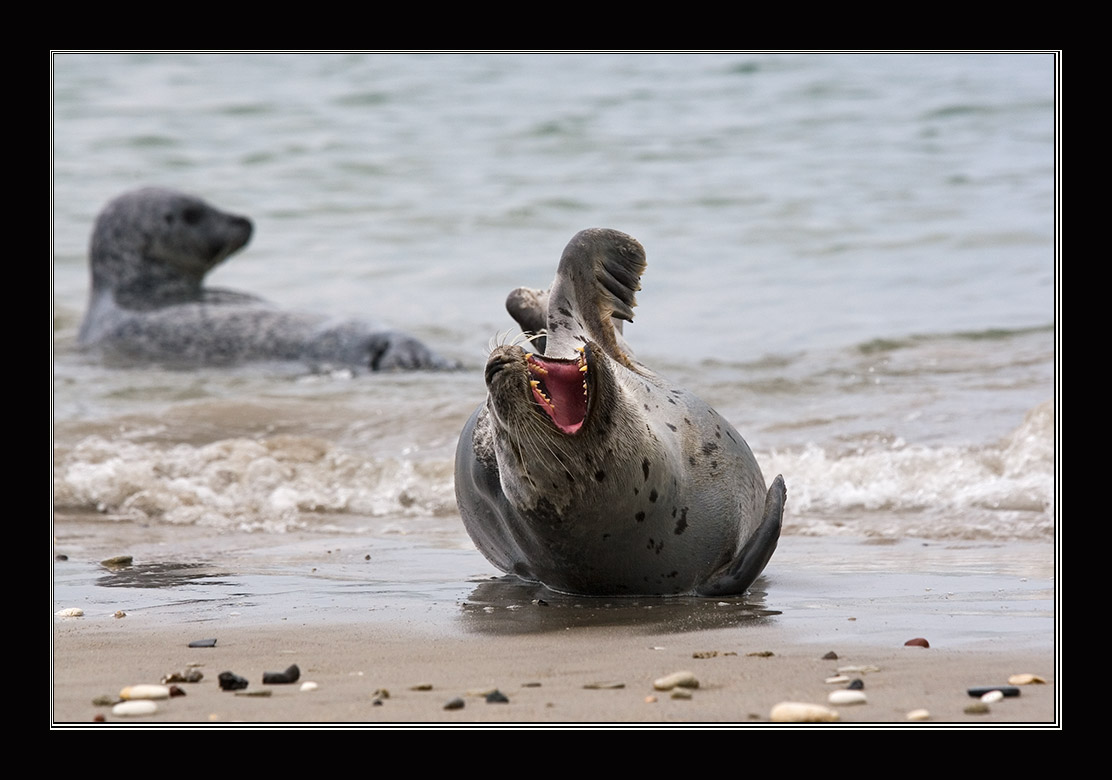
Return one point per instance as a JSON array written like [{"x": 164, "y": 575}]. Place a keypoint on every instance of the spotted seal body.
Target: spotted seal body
[
  {"x": 149, "y": 253},
  {"x": 589, "y": 473}
]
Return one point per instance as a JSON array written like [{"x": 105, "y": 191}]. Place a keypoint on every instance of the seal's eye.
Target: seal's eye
[{"x": 192, "y": 215}]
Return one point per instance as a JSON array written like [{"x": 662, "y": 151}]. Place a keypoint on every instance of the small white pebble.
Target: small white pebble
[
  {"x": 992, "y": 697},
  {"x": 680, "y": 679},
  {"x": 308, "y": 685},
  {"x": 918, "y": 715},
  {"x": 145, "y": 692},
  {"x": 70, "y": 612},
  {"x": 801, "y": 712},
  {"x": 846, "y": 697},
  {"x": 128, "y": 708},
  {"x": 858, "y": 669},
  {"x": 838, "y": 678}
]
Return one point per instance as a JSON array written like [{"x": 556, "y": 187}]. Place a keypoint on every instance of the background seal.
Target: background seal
[{"x": 149, "y": 253}]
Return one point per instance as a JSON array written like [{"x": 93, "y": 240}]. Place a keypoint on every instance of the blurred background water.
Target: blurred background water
[{"x": 851, "y": 256}]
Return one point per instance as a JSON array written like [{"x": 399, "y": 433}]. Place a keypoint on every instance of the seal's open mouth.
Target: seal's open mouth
[{"x": 560, "y": 388}]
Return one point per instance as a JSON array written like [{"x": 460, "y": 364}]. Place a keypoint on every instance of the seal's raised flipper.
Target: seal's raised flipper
[
  {"x": 749, "y": 563},
  {"x": 596, "y": 282}
]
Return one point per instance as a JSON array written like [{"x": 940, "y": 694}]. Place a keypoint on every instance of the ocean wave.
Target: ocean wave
[
  {"x": 871, "y": 487},
  {"x": 888, "y": 488},
  {"x": 276, "y": 484}
]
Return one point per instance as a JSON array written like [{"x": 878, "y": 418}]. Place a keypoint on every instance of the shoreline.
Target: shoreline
[{"x": 439, "y": 618}]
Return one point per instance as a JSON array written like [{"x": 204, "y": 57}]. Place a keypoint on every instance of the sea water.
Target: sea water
[{"x": 851, "y": 256}]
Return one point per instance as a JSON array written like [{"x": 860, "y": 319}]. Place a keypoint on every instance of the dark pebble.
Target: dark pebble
[
  {"x": 231, "y": 682},
  {"x": 917, "y": 642},
  {"x": 1007, "y": 690},
  {"x": 61, "y": 557},
  {"x": 176, "y": 691},
  {"x": 117, "y": 562},
  {"x": 497, "y": 697},
  {"x": 831, "y": 656},
  {"x": 454, "y": 704},
  {"x": 856, "y": 685},
  {"x": 203, "y": 643},
  {"x": 277, "y": 678}
]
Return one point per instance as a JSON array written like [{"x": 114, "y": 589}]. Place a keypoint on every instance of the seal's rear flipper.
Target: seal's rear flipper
[
  {"x": 529, "y": 308},
  {"x": 750, "y": 562}
]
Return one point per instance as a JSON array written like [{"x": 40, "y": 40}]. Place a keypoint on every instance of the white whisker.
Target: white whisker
[{"x": 503, "y": 338}]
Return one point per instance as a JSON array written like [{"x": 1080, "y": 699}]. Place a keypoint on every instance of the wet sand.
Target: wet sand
[{"x": 392, "y": 630}]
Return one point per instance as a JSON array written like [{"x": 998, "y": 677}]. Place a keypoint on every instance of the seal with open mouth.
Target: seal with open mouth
[{"x": 587, "y": 472}]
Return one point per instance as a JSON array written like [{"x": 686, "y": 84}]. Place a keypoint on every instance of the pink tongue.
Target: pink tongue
[{"x": 564, "y": 385}]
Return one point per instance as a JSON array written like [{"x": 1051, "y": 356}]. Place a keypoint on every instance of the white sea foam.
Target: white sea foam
[
  {"x": 299, "y": 482},
  {"x": 277, "y": 484},
  {"x": 1005, "y": 490}
]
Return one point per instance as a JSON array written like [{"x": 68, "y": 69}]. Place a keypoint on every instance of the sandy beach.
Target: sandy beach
[{"x": 398, "y": 652}]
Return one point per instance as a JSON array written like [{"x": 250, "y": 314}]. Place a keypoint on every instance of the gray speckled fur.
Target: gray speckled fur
[
  {"x": 653, "y": 493},
  {"x": 150, "y": 251}
]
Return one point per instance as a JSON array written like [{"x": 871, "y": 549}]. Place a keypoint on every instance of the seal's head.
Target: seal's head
[
  {"x": 153, "y": 246},
  {"x": 554, "y": 397}
]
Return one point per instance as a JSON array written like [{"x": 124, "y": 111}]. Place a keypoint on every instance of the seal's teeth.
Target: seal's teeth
[
  {"x": 583, "y": 369},
  {"x": 580, "y": 349},
  {"x": 533, "y": 383},
  {"x": 534, "y": 366}
]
